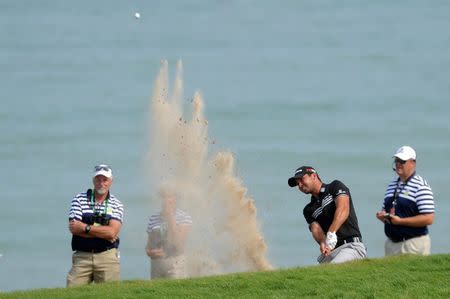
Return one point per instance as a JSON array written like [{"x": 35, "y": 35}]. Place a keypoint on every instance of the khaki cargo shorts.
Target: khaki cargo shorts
[{"x": 94, "y": 267}]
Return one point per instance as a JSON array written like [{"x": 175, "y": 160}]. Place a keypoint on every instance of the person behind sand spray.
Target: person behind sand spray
[{"x": 225, "y": 235}]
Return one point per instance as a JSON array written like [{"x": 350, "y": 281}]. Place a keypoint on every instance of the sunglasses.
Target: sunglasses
[
  {"x": 102, "y": 167},
  {"x": 400, "y": 161}
]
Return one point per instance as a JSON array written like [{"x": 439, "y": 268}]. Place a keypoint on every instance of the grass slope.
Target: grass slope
[{"x": 394, "y": 277}]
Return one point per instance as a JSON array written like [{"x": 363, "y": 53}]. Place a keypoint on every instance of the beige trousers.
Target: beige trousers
[
  {"x": 170, "y": 267},
  {"x": 420, "y": 245},
  {"x": 94, "y": 267},
  {"x": 344, "y": 253}
]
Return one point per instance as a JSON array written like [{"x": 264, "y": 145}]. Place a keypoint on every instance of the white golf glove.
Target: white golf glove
[{"x": 331, "y": 240}]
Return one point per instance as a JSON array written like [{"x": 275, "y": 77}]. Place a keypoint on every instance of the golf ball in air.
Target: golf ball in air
[{"x": 137, "y": 15}]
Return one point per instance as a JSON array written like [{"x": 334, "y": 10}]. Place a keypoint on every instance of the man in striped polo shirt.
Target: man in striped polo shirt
[
  {"x": 95, "y": 219},
  {"x": 167, "y": 235},
  {"x": 408, "y": 208}
]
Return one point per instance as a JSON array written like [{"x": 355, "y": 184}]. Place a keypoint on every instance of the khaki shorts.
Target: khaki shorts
[
  {"x": 94, "y": 267},
  {"x": 171, "y": 267},
  {"x": 420, "y": 245}
]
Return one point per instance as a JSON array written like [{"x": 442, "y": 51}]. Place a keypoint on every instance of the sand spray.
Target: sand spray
[{"x": 225, "y": 235}]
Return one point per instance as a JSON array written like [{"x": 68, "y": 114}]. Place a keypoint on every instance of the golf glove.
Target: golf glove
[{"x": 331, "y": 240}]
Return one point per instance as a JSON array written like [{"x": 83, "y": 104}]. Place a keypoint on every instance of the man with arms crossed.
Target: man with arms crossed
[{"x": 95, "y": 219}]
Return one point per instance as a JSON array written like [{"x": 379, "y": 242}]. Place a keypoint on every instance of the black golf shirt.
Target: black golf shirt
[{"x": 322, "y": 209}]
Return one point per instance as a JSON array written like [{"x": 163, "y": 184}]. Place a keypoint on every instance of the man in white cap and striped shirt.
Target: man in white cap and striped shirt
[
  {"x": 408, "y": 208},
  {"x": 95, "y": 220}
]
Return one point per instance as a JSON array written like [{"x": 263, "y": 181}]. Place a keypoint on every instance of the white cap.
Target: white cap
[
  {"x": 104, "y": 170},
  {"x": 405, "y": 153}
]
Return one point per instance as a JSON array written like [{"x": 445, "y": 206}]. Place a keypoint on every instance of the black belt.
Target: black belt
[
  {"x": 95, "y": 250},
  {"x": 348, "y": 240},
  {"x": 402, "y": 239}
]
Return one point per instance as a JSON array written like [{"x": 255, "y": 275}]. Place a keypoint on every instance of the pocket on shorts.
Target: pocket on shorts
[{"x": 75, "y": 258}]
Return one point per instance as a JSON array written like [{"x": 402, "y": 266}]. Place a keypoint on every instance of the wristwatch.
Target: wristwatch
[{"x": 87, "y": 229}]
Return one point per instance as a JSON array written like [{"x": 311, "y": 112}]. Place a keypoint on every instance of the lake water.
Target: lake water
[{"x": 339, "y": 86}]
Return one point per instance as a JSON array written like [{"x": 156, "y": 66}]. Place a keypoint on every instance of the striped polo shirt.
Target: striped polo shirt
[
  {"x": 81, "y": 205},
  {"x": 413, "y": 197},
  {"x": 82, "y": 209},
  {"x": 157, "y": 231},
  {"x": 156, "y": 222}
]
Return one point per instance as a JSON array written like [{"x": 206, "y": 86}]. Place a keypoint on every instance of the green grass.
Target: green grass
[{"x": 394, "y": 277}]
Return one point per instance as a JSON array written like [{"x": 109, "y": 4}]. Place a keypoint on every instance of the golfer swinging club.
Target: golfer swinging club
[{"x": 331, "y": 217}]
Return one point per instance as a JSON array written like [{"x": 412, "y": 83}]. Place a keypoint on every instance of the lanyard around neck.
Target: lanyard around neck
[
  {"x": 396, "y": 194},
  {"x": 93, "y": 202}
]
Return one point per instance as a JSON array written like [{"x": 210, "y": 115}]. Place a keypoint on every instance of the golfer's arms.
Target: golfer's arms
[
  {"x": 317, "y": 232},
  {"x": 341, "y": 214}
]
